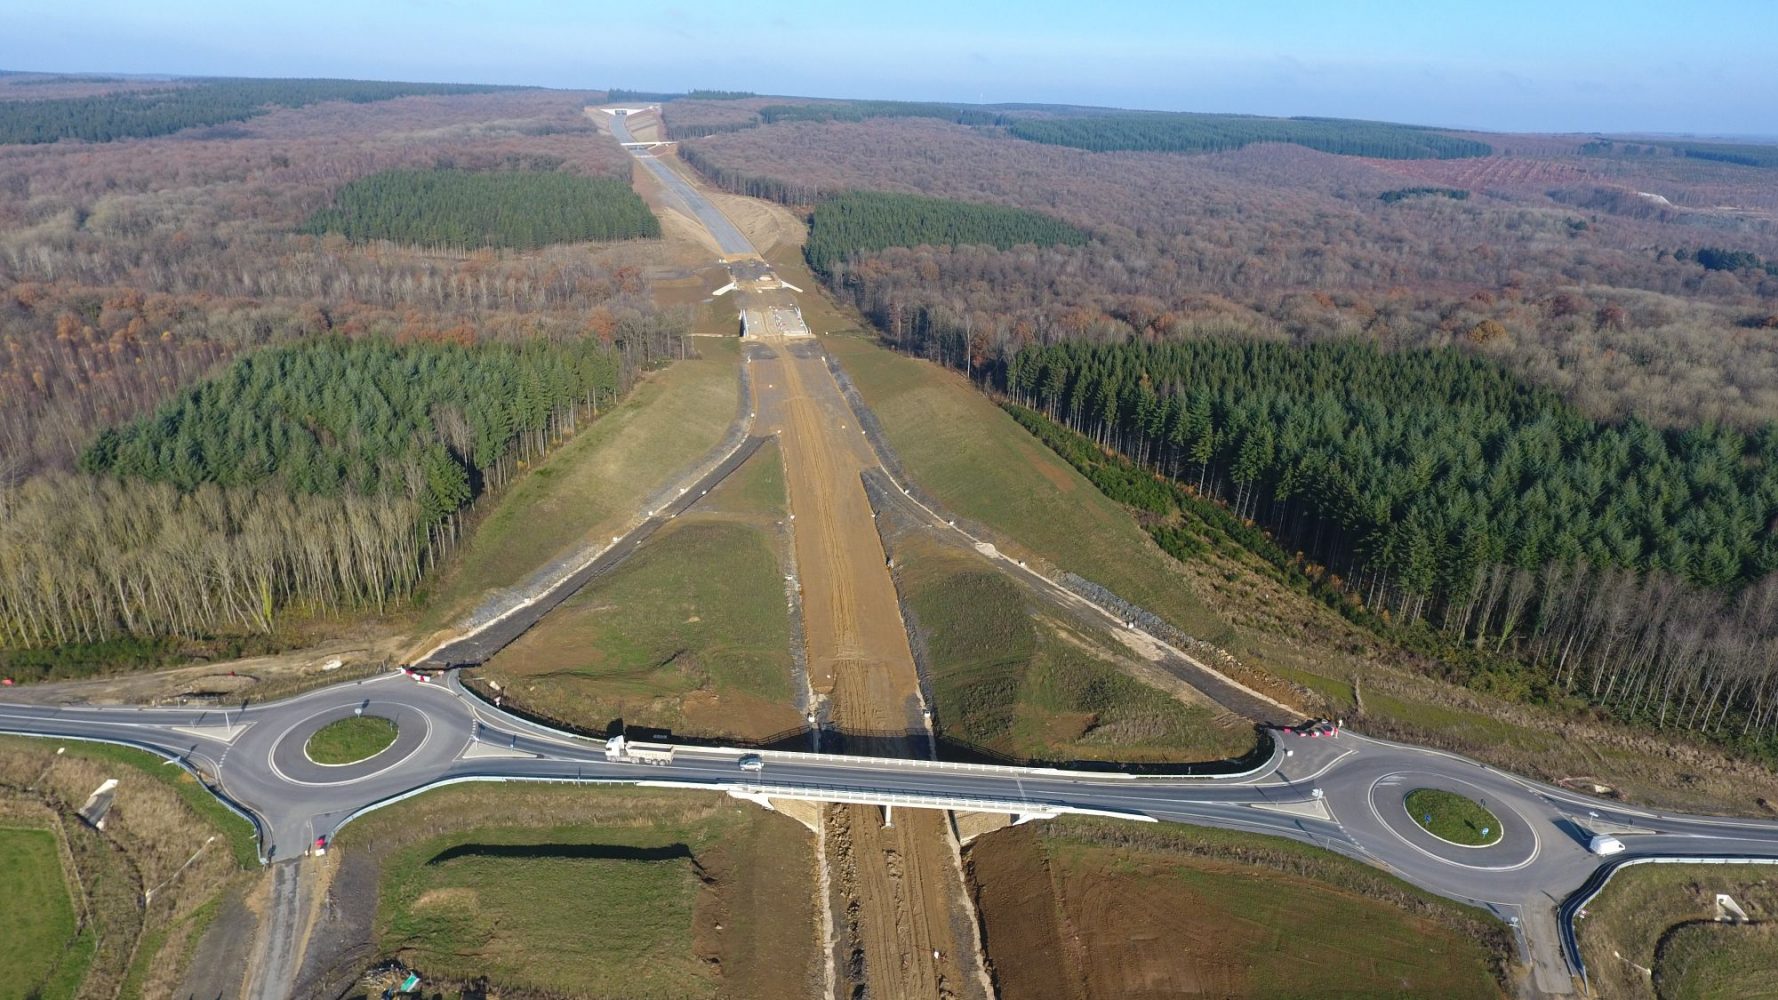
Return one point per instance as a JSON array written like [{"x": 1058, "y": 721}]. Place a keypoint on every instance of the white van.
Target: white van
[{"x": 1603, "y": 845}]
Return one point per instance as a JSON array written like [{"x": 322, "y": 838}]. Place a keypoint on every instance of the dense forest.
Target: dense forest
[
  {"x": 1636, "y": 567},
  {"x": 465, "y": 210},
  {"x": 135, "y": 114},
  {"x": 1198, "y": 133},
  {"x": 329, "y": 474},
  {"x": 863, "y": 221}
]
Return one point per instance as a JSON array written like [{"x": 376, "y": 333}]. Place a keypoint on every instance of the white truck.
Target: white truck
[{"x": 619, "y": 750}]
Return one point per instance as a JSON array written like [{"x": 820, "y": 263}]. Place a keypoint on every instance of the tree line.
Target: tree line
[
  {"x": 1205, "y": 133},
  {"x": 1413, "y": 471},
  {"x": 1646, "y": 645},
  {"x": 857, "y": 111},
  {"x": 1741, "y": 154},
  {"x": 1403, "y": 194},
  {"x": 466, "y": 210},
  {"x": 862, "y": 221},
  {"x": 140, "y": 114},
  {"x": 329, "y": 474}
]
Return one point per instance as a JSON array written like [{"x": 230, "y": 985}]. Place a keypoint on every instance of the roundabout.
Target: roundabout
[
  {"x": 351, "y": 742},
  {"x": 1442, "y": 817}
]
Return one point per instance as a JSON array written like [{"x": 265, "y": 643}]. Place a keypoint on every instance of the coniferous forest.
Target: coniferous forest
[
  {"x": 140, "y": 114},
  {"x": 1197, "y": 133},
  {"x": 330, "y": 474},
  {"x": 862, "y": 221},
  {"x": 468, "y": 210},
  {"x": 1637, "y": 567}
]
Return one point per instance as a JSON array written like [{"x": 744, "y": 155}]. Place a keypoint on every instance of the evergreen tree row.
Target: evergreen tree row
[
  {"x": 467, "y": 210},
  {"x": 1403, "y": 194},
  {"x": 141, "y": 114},
  {"x": 1206, "y": 133},
  {"x": 1412, "y": 473},
  {"x": 868, "y": 220},
  {"x": 1746, "y": 155},
  {"x": 857, "y": 111},
  {"x": 335, "y": 416}
]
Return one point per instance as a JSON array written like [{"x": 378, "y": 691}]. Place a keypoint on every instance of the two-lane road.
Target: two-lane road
[{"x": 1340, "y": 793}]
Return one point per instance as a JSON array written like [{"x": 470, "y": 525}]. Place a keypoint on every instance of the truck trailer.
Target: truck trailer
[{"x": 623, "y": 751}]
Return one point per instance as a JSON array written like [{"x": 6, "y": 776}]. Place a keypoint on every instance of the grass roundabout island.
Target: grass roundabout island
[
  {"x": 349, "y": 741},
  {"x": 1453, "y": 818}
]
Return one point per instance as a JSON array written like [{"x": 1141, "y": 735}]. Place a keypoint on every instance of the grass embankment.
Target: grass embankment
[
  {"x": 1452, "y": 817},
  {"x": 593, "y": 892},
  {"x": 1016, "y": 676},
  {"x": 39, "y": 955},
  {"x": 593, "y": 485},
  {"x": 1711, "y": 961},
  {"x": 1661, "y": 918},
  {"x": 349, "y": 741},
  {"x": 159, "y": 827},
  {"x": 978, "y": 462},
  {"x": 690, "y": 634},
  {"x": 1083, "y": 909}
]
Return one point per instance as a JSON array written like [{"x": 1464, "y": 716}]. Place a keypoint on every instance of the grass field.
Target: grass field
[
  {"x": 463, "y": 906},
  {"x": 1015, "y": 676},
  {"x": 160, "y": 813},
  {"x": 691, "y": 634},
  {"x": 349, "y": 741},
  {"x": 594, "y": 484},
  {"x": 1711, "y": 961},
  {"x": 38, "y": 956},
  {"x": 1626, "y": 925},
  {"x": 1453, "y": 817},
  {"x": 596, "y": 892},
  {"x": 1083, "y": 910},
  {"x": 982, "y": 465}
]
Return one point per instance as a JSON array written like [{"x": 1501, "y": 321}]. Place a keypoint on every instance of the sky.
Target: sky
[{"x": 1702, "y": 67}]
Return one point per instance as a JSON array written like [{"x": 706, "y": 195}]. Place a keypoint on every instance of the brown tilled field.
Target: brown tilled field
[{"x": 1064, "y": 918}]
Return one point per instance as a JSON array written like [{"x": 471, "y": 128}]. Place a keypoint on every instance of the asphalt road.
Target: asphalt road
[
  {"x": 255, "y": 758},
  {"x": 727, "y": 236}
]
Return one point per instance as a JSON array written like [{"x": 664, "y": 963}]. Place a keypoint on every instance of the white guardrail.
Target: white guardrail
[
  {"x": 1009, "y": 770},
  {"x": 749, "y": 790}
]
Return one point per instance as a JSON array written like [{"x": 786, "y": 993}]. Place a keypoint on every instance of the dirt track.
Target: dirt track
[{"x": 906, "y": 924}]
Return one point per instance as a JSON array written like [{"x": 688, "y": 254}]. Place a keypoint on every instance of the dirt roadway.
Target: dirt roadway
[{"x": 910, "y": 926}]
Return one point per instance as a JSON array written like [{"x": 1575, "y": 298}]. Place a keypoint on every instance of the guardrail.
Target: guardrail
[
  {"x": 1577, "y": 901},
  {"x": 1186, "y": 772}
]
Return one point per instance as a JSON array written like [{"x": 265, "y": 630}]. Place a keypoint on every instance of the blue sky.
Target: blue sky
[{"x": 1555, "y": 65}]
